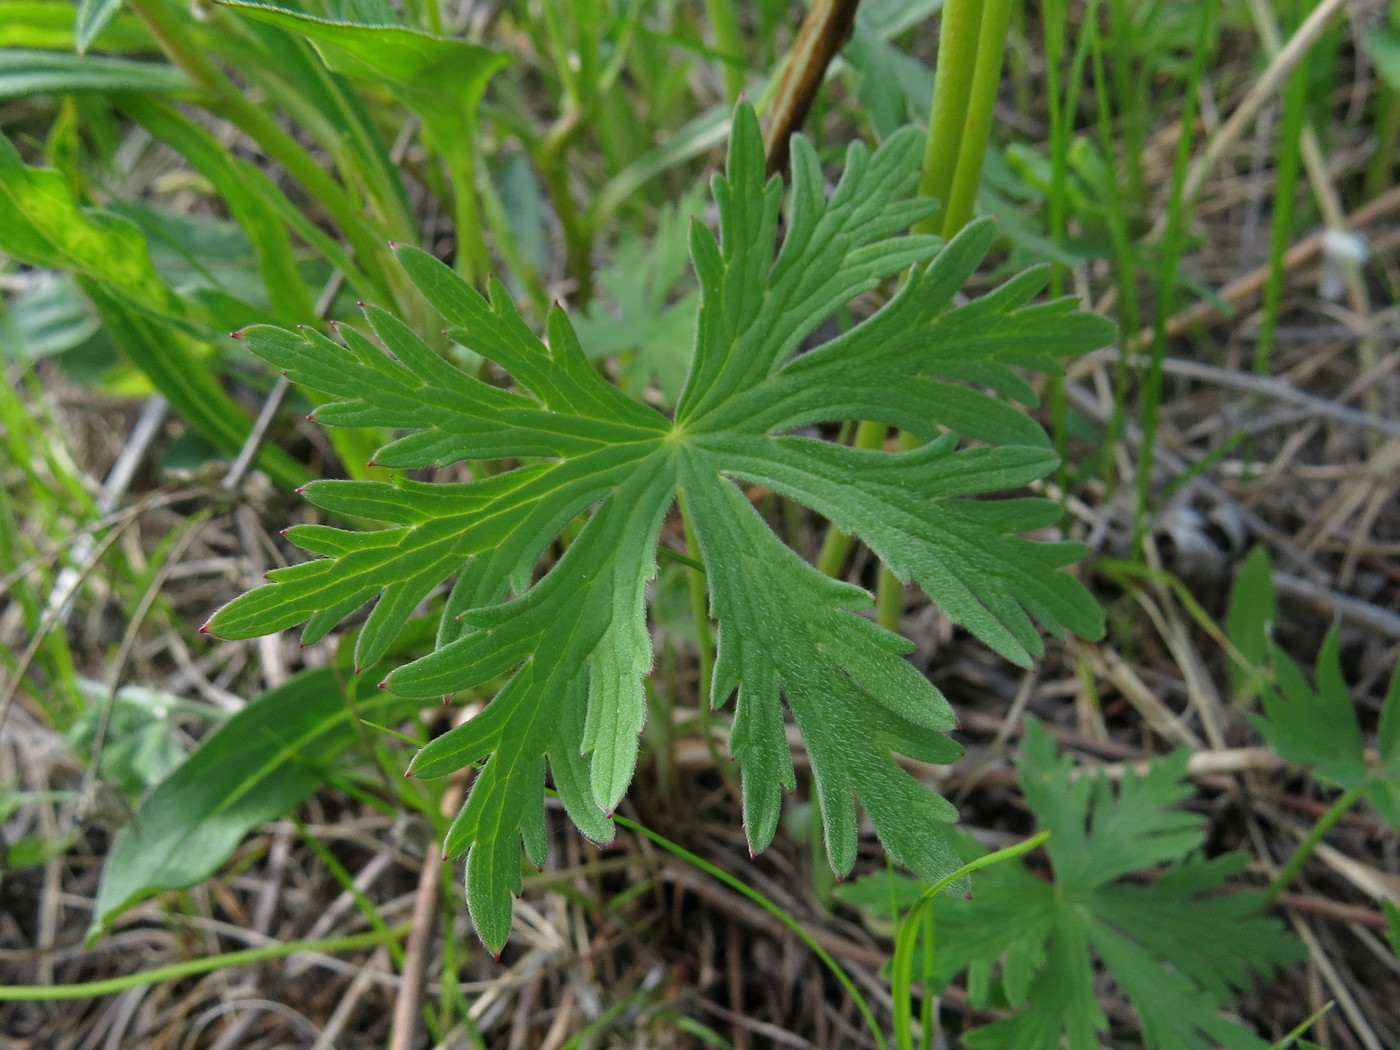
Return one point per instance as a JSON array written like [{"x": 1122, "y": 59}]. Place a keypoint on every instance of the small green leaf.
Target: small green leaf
[
  {"x": 1384, "y": 791},
  {"x": 1315, "y": 728},
  {"x": 48, "y": 319},
  {"x": 24, "y": 73},
  {"x": 43, "y": 225},
  {"x": 1249, "y": 623},
  {"x": 47, "y": 25},
  {"x": 440, "y": 78},
  {"x": 1383, "y": 49},
  {"x": 646, "y": 324},
  {"x": 261, "y": 763},
  {"x": 93, "y": 16},
  {"x": 1318, "y": 727},
  {"x": 1033, "y": 943}
]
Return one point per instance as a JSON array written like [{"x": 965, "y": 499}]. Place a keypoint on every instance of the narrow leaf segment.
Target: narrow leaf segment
[{"x": 573, "y": 645}]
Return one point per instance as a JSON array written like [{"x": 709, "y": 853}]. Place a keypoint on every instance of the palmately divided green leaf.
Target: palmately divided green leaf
[
  {"x": 1318, "y": 727},
  {"x": 1032, "y": 943},
  {"x": 570, "y": 447}
]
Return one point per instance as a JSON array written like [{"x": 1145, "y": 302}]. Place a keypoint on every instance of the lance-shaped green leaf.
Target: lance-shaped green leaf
[
  {"x": 24, "y": 73},
  {"x": 92, "y": 18},
  {"x": 43, "y": 225},
  {"x": 572, "y": 451},
  {"x": 440, "y": 78},
  {"x": 49, "y": 25},
  {"x": 261, "y": 763}
]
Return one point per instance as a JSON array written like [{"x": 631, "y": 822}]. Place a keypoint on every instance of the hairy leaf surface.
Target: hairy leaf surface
[{"x": 575, "y": 457}]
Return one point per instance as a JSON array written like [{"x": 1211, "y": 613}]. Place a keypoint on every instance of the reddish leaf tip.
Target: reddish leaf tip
[
  {"x": 300, "y": 490},
  {"x": 236, "y": 335},
  {"x": 359, "y": 669},
  {"x": 204, "y": 629},
  {"x": 311, "y": 417},
  {"x": 495, "y": 956},
  {"x": 446, "y": 700},
  {"x": 384, "y": 684},
  {"x": 361, "y": 303},
  {"x": 371, "y": 463},
  {"x": 393, "y": 246}
]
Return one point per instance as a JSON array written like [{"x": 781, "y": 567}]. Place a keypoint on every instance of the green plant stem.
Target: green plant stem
[
  {"x": 192, "y": 967},
  {"x": 957, "y": 56},
  {"x": 1167, "y": 273},
  {"x": 473, "y": 259},
  {"x": 1059, "y": 105},
  {"x": 902, "y": 965},
  {"x": 226, "y": 100},
  {"x": 1124, "y": 268},
  {"x": 889, "y": 600},
  {"x": 772, "y": 909},
  {"x": 834, "y": 547},
  {"x": 578, "y": 236},
  {"x": 1387, "y": 139},
  {"x": 497, "y": 221},
  {"x": 1325, "y": 823},
  {"x": 1128, "y": 91},
  {"x": 971, "y": 47},
  {"x": 1286, "y": 178},
  {"x": 729, "y": 41},
  {"x": 981, "y": 104}
]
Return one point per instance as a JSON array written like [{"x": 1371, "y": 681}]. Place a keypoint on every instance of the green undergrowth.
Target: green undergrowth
[{"x": 583, "y": 517}]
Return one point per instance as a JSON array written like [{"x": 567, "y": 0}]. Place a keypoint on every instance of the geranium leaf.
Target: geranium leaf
[{"x": 576, "y": 460}]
